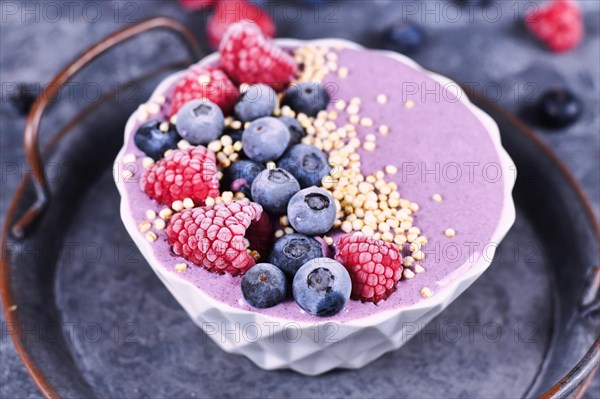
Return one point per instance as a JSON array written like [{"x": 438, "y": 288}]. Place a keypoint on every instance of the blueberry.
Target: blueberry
[
  {"x": 240, "y": 175},
  {"x": 308, "y": 98},
  {"x": 322, "y": 287},
  {"x": 307, "y": 163},
  {"x": 265, "y": 139},
  {"x": 264, "y": 285},
  {"x": 273, "y": 188},
  {"x": 404, "y": 37},
  {"x": 297, "y": 132},
  {"x": 153, "y": 141},
  {"x": 235, "y": 134},
  {"x": 200, "y": 121},
  {"x": 312, "y": 211},
  {"x": 473, "y": 3},
  {"x": 558, "y": 108},
  {"x": 24, "y": 97},
  {"x": 291, "y": 251},
  {"x": 258, "y": 101}
]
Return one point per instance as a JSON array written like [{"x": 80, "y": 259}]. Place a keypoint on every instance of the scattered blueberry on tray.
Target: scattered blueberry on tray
[
  {"x": 23, "y": 98},
  {"x": 558, "y": 108},
  {"x": 405, "y": 37}
]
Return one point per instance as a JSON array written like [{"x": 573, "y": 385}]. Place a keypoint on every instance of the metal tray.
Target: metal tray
[{"x": 90, "y": 319}]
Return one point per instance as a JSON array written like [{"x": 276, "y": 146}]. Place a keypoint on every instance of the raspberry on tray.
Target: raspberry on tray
[{"x": 559, "y": 25}]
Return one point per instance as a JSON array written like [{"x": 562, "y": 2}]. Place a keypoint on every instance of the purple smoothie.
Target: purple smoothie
[{"x": 438, "y": 145}]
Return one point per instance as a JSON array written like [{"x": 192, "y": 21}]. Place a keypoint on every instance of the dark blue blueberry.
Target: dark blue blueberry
[
  {"x": 265, "y": 139},
  {"x": 235, "y": 134},
  {"x": 322, "y": 287},
  {"x": 307, "y": 163},
  {"x": 153, "y": 141},
  {"x": 24, "y": 97},
  {"x": 312, "y": 211},
  {"x": 316, "y": 3},
  {"x": 200, "y": 121},
  {"x": 474, "y": 3},
  {"x": 297, "y": 132},
  {"x": 260, "y": 3},
  {"x": 308, "y": 98},
  {"x": 273, "y": 188},
  {"x": 264, "y": 286},
  {"x": 404, "y": 37},
  {"x": 559, "y": 108},
  {"x": 240, "y": 175},
  {"x": 258, "y": 101},
  {"x": 291, "y": 251}
]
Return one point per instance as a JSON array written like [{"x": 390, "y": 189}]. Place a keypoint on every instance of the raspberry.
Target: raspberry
[
  {"x": 374, "y": 266},
  {"x": 189, "y": 173},
  {"x": 205, "y": 83},
  {"x": 248, "y": 57},
  {"x": 559, "y": 25},
  {"x": 231, "y": 11},
  {"x": 214, "y": 236}
]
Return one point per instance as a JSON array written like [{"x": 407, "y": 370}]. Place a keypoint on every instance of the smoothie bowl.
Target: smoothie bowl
[{"x": 313, "y": 204}]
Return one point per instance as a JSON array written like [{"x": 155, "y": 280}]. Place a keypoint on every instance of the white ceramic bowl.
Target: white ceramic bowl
[{"x": 316, "y": 347}]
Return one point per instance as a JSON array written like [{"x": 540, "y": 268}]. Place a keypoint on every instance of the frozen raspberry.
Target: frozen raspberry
[
  {"x": 205, "y": 83},
  {"x": 189, "y": 173},
  {"x": 219, "y": 237},
  {"x": 559, "y": 25},
  {"x": 231, "y": 11},
  {"x": 248, "y": 57},
  {"x": 375, "y": 266}
]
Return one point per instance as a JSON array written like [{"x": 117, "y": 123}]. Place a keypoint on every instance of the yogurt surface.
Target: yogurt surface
[{"x": 438, "y": 146}]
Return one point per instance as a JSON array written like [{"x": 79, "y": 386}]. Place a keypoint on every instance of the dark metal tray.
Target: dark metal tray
[{"x": 90, "y": 319}]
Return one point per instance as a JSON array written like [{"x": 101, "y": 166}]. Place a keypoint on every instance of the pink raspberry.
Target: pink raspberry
[
  {"x": 189, "y": 173},
  {"x": 374, "y": 266},
  {"x": 205, "y": 83},
  {"x": 559, "y": 25},
  {"x": 229, "y": 12},
  {"x": 249, "y": 57},
  {"x": 219, "y": 237}
]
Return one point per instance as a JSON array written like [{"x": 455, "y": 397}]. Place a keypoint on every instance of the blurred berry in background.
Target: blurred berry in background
[{"x": 405, "y": 37}]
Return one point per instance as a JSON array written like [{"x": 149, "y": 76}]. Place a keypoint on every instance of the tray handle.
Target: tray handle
[
  {"x": 589, "y": 303},
  {"x": 32, "y": 126}
]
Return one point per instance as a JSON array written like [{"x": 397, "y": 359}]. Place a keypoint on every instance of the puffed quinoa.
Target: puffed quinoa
[{"x": 450, "y": 233}]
